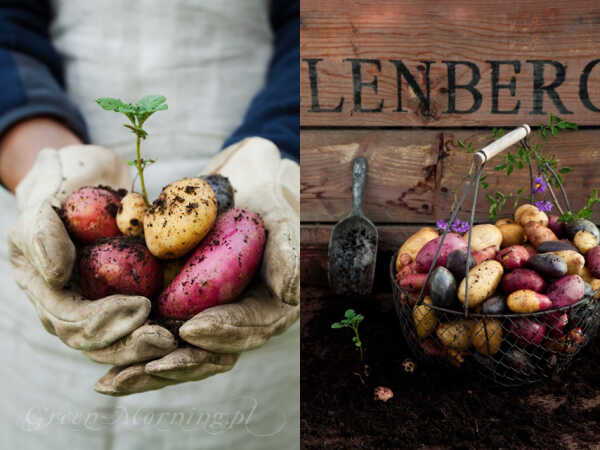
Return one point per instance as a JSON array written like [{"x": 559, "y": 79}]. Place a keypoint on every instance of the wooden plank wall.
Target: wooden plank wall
[{"x": 413, "y": 157}]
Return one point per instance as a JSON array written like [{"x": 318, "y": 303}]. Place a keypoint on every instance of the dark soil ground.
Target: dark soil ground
[{"x": 431, "y": 408}]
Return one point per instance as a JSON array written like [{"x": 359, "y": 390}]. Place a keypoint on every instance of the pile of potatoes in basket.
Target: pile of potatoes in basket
[
  {"x": 517, "y": 266},
  {"x": 187, "y": 251}
]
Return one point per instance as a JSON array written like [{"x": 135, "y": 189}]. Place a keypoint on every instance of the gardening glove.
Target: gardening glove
[
  {"x": 43, "y": 256},
  {"x": 267, "y": 184}
]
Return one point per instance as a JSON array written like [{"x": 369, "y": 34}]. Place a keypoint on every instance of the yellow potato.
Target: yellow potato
[
  {"x": 585, "y": 273},
  {"x": 484, "y": 236},
  {"x": 530, "y": 213},
  {"x": 504, "y": 221},
  {"x": 585, "y": 241},
  {"x": 415, "y": 243},
  {"x": 487, "y": 336},
  {"x": 537, "y": 233},
  {"x": 130, "y": 217},
  {"x": 484, "y": 278},
  {"x": 179, "y": 218},
  {"x": 575, "y": 261},
  {"x": 521, "y": 209},
  {"x": 525, "y": 301},
  {"x": 455, "y": 335},
  {"x": 512, "y": 234},
  {"x": 424, "y": 318}
]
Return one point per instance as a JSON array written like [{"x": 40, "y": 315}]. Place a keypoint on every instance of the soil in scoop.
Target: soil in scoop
[{"x": 431, "y": 408}]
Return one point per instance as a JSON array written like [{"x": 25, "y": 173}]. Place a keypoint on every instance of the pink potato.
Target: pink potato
[
  {"x": 425, "y": 256},
  {"x": 523, "y": 279},
  {"x": 220, "y": 267},
  {"x": 566, "y": 290},
  {"x": 528, "y": 331},
  {"x": 513, "y": 257},
  {"x": 118, "y": 265},
  {"x": 485, "y": 254},
  {"x": 90, "y": 213}
]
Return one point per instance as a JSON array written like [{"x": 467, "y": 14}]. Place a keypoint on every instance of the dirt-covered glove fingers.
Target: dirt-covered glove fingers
[
  {"x": 191, "y": 364},
  {"x": 40, "y": 236},
  {"x": 128, "y": 380},
  {"x": 240, "y": 326},
  {"x": 144, "y": 344},
  {"x": 79, "y": 323}
]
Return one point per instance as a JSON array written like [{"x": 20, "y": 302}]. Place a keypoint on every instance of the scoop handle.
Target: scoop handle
[
  {"x": 359, "y": 173},
  {"x": 499, "y": 145}
]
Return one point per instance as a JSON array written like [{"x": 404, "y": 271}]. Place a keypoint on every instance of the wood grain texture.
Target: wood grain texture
[
  {"x": 412, "y": 173},
  {"x": 476, "y": 31}
]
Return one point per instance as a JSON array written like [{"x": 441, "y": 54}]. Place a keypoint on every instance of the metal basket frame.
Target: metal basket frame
[{"x": 541, "y": 360}]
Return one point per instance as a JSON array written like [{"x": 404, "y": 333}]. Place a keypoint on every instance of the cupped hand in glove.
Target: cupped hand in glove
[
  {"x": 269, "y": 185},
  {"x": 43, "y": 255}
]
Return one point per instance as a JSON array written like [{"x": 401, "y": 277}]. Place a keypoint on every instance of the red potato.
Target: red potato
[
  {"x": 413, "y": 282},
  {"x": 528, "y": 331},
  {"x": 537, "y": 233},
  {"x": 557, "y": 322},
  {"x": 90, "y": 213},
  {"x": 513, "y": 257},
  {"x": 558, "y": 228},
  {"x": 525, "y": 301},
  {"x": 566, "y": 290},
  {"x": 425, "y": 256},
  {"x": 592, "y": 259},
  {"x": 523, "y": 279},
  {"x": 532, "y": 251},
  {"x": 118, "y": 265},
  {"x": 219, "y": 269},
  {"x": 485, "y": 254}
]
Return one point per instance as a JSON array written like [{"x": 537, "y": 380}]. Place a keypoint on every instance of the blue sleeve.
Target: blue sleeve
[
  {"x": 274, "y": 113},
  {"x": 30, "y": 68}
]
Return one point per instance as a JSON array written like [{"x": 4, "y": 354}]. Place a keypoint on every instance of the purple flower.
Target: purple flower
[
  {"x": 545, "y": 206},
  {"x": 539, "y": 185},
  {"x": 441, "y": 224},
  {"x": 460, "y": 227}
]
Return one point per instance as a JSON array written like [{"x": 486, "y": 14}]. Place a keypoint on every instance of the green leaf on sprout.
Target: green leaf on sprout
[
  {"x": 336, "y": 325},
  {"x": 151, "y": 104},
  {"x": 349, "y": 313}
]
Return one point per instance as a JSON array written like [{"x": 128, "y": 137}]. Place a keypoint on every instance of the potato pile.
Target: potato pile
[
  {"x": 524, "y": 265},
  {"x": 187, "y": 251}
]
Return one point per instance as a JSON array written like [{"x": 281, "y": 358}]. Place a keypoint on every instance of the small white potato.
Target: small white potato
[{"x": 130, "y": 217}]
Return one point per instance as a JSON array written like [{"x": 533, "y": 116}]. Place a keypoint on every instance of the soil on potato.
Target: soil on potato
[{"x": 431, "y": 408}]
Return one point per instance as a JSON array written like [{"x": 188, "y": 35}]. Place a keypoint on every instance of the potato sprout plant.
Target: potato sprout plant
[
  {"x": 137, "y": 114},
  {"x": 546, "y": 167},
  {"x": 352, "y": 320}
]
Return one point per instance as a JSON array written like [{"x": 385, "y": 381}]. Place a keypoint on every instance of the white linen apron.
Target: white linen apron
[{"x": 208, "y": 58}]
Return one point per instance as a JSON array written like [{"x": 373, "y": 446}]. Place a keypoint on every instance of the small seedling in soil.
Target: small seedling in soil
[
  {"x": 352, "y": 320},
  {"x": 137, "y": 114}
]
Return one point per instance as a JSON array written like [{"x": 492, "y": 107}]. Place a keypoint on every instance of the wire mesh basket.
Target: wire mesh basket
[{"x": 510, "y": 349}]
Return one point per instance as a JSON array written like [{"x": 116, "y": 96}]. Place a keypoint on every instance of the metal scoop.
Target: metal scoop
[{"x": 353, "y": 244}]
